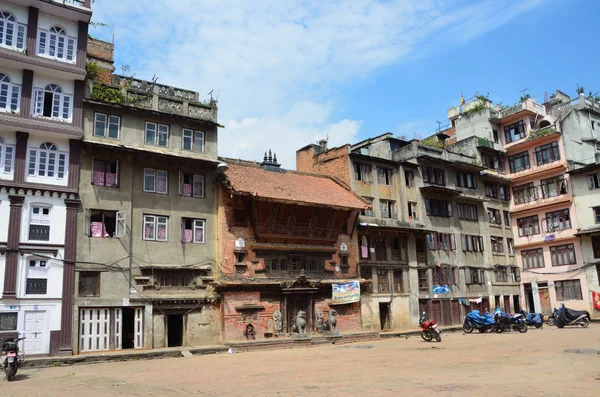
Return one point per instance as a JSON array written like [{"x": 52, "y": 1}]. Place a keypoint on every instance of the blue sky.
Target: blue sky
[{"x": 286, "y": 72}]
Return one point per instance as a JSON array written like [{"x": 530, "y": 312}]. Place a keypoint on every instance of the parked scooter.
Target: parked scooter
[
  {"x": 482, "y": 323},
  {"x": 533, "y": 319},
  {"x": 11, "y": 359},
  {"x": 565, "y": 316},
  {"x": 429, "y": 329}
]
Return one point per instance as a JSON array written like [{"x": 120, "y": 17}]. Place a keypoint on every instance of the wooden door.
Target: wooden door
[
  {"x": 456, "y": 312},
  {"x": 446, "y": 313},
  {"x": 507, "y": 304},
  {"x": 436, "y": 311},
  {"x": 544, "y": 300}
]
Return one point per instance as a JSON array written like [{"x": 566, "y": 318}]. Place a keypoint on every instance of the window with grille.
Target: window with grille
[
  {"x": 398, "y": 280},
  {"x": 558, "y": 220},
  {"x": 445, "y": 275},
  {"x": 553, "y": 187},
  {"x": 89, "y": 284},
  {"x": 568, "y": 290},
  {"x": 294, "y": 264},
  {"x": 55, "y": 43},
  {"x": 524, "y": 193},
  {"x": 436, "y": 176},
  {"x": 519, "y": 162},
  {"x": 528, "y": 226},
  {"x": 47, "y": 162},
  {"x": 39, "y": 223},
  {"x": 8, "y": 321},
  {"x": 438, "y": 208},
  {"x": 563, "y": 255},
  {"x": 533, "y": 259},
  {"x": 383, "y": 283},
  {"x": 37, "y": 277},
  {"x": 467, "y": 211}
]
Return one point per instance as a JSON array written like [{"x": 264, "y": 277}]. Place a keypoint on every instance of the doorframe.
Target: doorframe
[{"x": 46, "y": 331}]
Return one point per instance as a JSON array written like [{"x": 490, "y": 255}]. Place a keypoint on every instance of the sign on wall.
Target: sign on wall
[{"x": 345, "y": 293}]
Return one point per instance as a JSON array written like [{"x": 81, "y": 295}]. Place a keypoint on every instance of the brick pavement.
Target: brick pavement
[{"x": 531, "y": 364}]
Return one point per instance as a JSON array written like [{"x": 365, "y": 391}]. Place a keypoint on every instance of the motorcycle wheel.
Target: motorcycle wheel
[
  {"x": 584, "y": 322},
  {"x": 550, "y": 322},
  {"x": 538, "y": 326},
  {"x": 498, "y": 329},
  {"x": 438, "y": 337},
  {"x": 467, "y": 328},
  {"x": 423, "y": 336},
  {"x": 427, "y": 336},
  {"x": 481, "y": 330},
  {"x": 523, "y": 328},
  {"x": 10, "y": 372}
]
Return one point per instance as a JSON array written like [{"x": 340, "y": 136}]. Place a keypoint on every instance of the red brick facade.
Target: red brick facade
[{"x": 332, "y": 162}]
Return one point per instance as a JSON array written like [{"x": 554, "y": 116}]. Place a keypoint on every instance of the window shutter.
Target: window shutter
[
  {"x": 121, "y": 224},
  {"x": 449, "y": 208},
  {"x": 452, "y": 242},
  {"x": 428, "y": 206},
  {"x": 118, "y": 175},
  {"x": 481, "y": 276},
  {"x": 480, "y": 244},
  {"x": 467, "y": 275},
  {"x": 463, "y": 242},
  {"x": 444, "y": 280},
  {"x": 56, "y": 105},
  {"x": 38, "y": 108},
  {"x": 430, "y": 241},
  {"x": 86, "y": 222},
  {"x": 70, "y": 49},
  {"x": 180, "y": 182},
  {"x": 518, "y": 274},
  {"x": 456, "y": 276},
  {"x": 591, "y": 182}
]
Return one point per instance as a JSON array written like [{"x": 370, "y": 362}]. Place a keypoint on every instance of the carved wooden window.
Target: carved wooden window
[
  {"x": 383, "y": 282},
  {"x": 381, "y": 249},
  {"x": 398, "y": 280},
  {"x": 423, "y": 280},
  {"x": 285, "y": 264}
]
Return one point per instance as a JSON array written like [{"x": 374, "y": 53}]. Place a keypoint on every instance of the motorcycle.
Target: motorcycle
[
  {"x": 565, "y": 316},
  {"x": 429, "y": 329},
  {"x": 474, "y": 320},
  {"x": 506, "y": 322},
  {"x": 11, "y": 359},
  {"x": 533, "y": 319},
  {"x": 551, "y": 322}
]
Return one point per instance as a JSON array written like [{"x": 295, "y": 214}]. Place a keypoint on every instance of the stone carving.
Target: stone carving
[
  {"x": 270, "y": 325},
  {"x": 331, "y": 323},
  {"x": 319, "y": 320},
  {"x": 278, "y": 325},
  {"x": 301, "y": 282},
  {"x": 169, "y": 106},
  {"x": 201, "y": 112},
  {"x": 299, "y": 326}
]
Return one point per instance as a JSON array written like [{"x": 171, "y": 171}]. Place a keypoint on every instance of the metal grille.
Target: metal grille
[
  {"x": 39, "y": 232},
  {"x": 36, "y": 286},
  {"x": 89, "y": 284},
  {"x": 8, "y": 321}
]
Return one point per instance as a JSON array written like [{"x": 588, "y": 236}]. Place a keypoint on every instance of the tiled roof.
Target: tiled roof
[{"x": 285, "y": 185}]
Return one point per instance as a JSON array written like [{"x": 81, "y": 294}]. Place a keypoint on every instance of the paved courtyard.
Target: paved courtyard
[{"x": 531, "y": 364}]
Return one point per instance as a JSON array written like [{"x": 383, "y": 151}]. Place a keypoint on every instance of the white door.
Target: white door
[
  {"x": 118, "y": 313},
  {"x": 35, "y": 333},
  {"x": 94, "y": 329},
  {"x": 139, "y": 329}
]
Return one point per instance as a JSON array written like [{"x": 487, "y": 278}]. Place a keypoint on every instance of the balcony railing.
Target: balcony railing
[
  {"x": 540, "y": 192},
  {"x": 525, "y": 105},
  {"x": 534, "y": 134},
  {"x": 80, "y": 3}
]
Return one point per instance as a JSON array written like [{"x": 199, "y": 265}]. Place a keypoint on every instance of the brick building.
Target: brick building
[{"x": 284, "y": 238}]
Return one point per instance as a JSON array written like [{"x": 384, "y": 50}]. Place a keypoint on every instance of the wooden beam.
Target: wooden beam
[{"x": 253, "y": 211}]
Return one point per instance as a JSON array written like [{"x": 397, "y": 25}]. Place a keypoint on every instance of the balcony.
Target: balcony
[
  {"x": 76, "y": 10},
  {"x": 150, "y": 96},
  {"x": 577, "y": 103},
  {"x": 541, "y": 132},
  {"x": 535, "y": 193},
  {"x": 528, "y": 105}
]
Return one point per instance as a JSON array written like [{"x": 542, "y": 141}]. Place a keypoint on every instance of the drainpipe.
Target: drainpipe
[{"x": 131, "y": 228}]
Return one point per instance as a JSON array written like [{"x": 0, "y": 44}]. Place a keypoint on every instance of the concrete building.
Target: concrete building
[
  {"x": 432, "y": 238},
  {"x": 286, "y": 239},
  {"x": 145, "y": 250},
  {"x": 537, "y": 144},
  {"x": 42, "y": 68}
]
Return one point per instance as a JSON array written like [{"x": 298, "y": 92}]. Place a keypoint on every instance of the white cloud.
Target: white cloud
[{"x": 278, "y": 65}]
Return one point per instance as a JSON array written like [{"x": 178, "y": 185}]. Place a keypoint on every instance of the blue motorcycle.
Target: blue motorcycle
[
  {"x": 482, "y": 323},
  {"x": 533, "y": 319}
]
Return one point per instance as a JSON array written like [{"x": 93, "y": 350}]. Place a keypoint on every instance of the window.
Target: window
[
  {"x": 423, "y": 281},
  {"x": 497, "y": 245},
  {"x": 533, "y": 259},
  {"x": 52, "y": 102},
  {"x": 8, "y": 321},
  {"x": 528, "y": 226},
  {"x": 553, "y": 187},
  {"x": 89, "y": 284},
  {"x": 55, "y": 43},
  {"x": 438, "y": 208},
  {"x": 105, "y": 224},
  {"x": 467, "y": 211},
  {"x": 568, "y": 290},
  {"x": 39, "y": 223},
  {"x": 107, "y": 126},
  {"x": 362, "y": 172},
  {"x": 524, "y": 193},
  {"x": 192, "y": 230},
  {"x": 474, "y": 275},
  {"x": 516, "y": 274},
  {"x": 12, "y": 33},
  {"x": 563, "y": 255},
  {"x": 596, "y": 247},
  {"x": 471, "y": 243},
  {"x": 501, "y": 274},
  {"x": 445, "y": 275},
  {"x": 157, "y": 134},
  {"x": 385, "y": 176},
  {"x": 105, "y": 173},
  {"x": 494, "y": 216},
  {"x": 191, "y": 185},
  {"x": 156, "y": 181},
  {"x": 547, "y": 153},
  {"x": 383, "y": 283},
  {"x": 409, "y": 178},
  {"x": 398, "y": 280},
  {"x": 155, "y": 227},
  {"x": 466, "y": 180},
  {"x": 37, "y": 277},
  {"x": 441, "y": 241},
  {"x": 510, "y": 243},
  {"x": 193, "y": 140},
  {"x": 514, "y": 132},
  {"x": 558, "y": 220},
  {"x": 597, "y": 214},
  {"x": 10, "y": 94},
  {"x": 491, "y": 191},
  {"x": 493, "y": 162},
  {"x": 412, "y": 211},
  {"x": 519, "y": 162},
  {"x": 594, "y": 181},
  {"x": 495, "y": 134},
  {"x": 436, "y": 176},
  {"x": 388, "y": 209},
  {"x": 7, "y": 157},
  {"x": 504, "y": 193},
  {"x": 506, "y": 218},
  {"x": 369, "y": 211},
  {"x": 47, "y": 162}
]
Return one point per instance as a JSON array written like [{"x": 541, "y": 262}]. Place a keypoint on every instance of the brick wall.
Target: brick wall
[
  {"x": 234, "y": 323},
  {"x": 348, "y": 318},
  {"x": 100, "y": 50},
  {"x": 333, "y": 162}
]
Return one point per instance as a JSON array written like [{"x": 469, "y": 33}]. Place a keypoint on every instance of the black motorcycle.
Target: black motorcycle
[
  {"x": 10, "y": 359},
  {"x": 505, "y": 323}
]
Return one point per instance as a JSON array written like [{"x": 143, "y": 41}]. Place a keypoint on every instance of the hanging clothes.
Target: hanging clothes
[
  {"x": 364, "y": 247},
  {"x": 596, "y": 299}
]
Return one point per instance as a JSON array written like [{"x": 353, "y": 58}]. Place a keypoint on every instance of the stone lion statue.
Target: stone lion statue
[
  {"x": 299, "y": 325},
  {"x": 331, "y": 323}
]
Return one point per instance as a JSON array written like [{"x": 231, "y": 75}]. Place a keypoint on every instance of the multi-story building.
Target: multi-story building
[
  {"x": 532, "y": 145},
  {"x": 432, "y": 238},
  {"x": 42, "y": 71},
  {"x": 145, "y": 247},
  {"x": 286, "y": 241}
]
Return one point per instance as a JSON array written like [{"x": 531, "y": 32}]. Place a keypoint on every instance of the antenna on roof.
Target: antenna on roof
[
  {"x": 523, "y": 91},
  {"x": 210, "y": 93},
  {"x": 439, "y": 127}
]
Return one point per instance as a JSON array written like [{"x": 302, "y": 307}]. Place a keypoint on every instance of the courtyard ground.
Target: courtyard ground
[{"x": 512, "y": 364}]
